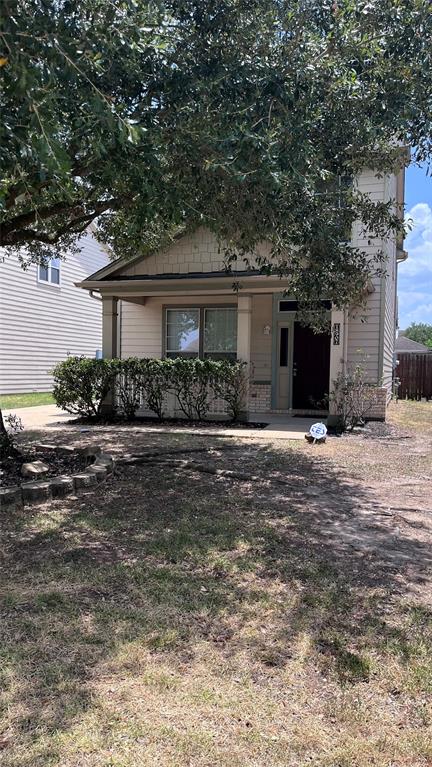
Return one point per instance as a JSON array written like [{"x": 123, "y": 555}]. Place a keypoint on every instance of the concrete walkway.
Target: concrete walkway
[
  {"x": 49, "y": 417},
  {"x": 40, "y": 417}
]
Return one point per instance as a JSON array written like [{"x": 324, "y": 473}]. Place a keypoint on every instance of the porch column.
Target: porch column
[
  {"x": 109, "y": 344},
  {"x": 109, "y": 327},
  {"x": 337, "y": 354},
  {"x": 244, "y": 324}
]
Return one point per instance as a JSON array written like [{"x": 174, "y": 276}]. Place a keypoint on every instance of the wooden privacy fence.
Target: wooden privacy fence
[{"x": 415, "y": 375}]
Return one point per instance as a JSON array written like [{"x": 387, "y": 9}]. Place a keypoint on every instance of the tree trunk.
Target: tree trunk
[{"x": 6, "y": 444}]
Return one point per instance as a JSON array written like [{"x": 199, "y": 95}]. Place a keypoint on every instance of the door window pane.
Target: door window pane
[
  {"x": 182, "y": 332},
  {"x": 283, "y": 351},
  {"x": 220, "y": 333}
]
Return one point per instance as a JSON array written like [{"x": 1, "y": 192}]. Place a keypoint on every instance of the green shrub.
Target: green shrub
[
  {"x": 190, "y": 380},
  {"x": 129, "y": 384},
  {"x": 81, "y": 384},
  {"x": 155, "y": 384},
  {"x": 230, "y": 384}
]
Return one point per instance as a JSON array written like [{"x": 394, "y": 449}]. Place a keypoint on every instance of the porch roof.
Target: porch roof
[{"x": 195, "y": 282}]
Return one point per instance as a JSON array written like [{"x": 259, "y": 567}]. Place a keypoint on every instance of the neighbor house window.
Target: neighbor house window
[
  {"x": 205, "y": 332},
  {"x": 50, "y": 272}
]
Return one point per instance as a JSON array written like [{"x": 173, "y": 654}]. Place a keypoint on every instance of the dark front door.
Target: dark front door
[{"x": 311, "y": 368}]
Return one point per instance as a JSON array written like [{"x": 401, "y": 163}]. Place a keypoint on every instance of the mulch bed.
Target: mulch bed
[
  {"x": 175, "y": 422},
  {"x": 59, "y": 463}
]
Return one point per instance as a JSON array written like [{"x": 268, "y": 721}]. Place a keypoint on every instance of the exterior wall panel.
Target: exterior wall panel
[{"x": 41, "y": 323}]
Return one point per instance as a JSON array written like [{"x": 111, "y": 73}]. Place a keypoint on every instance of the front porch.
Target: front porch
[{"x": 290, "y": 368}]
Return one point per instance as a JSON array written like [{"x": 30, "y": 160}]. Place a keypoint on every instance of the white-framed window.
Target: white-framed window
[
  {"x": 182, "y": 332},
  {"x": 220, "y": 333},
  {"x": 50, "y": 273},
  {"x": 204, "y": 332}
]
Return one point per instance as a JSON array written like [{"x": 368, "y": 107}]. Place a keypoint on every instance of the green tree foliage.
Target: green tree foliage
[
  {"x": 420, "y": 332},
  {"x": 240, "y": 115}
]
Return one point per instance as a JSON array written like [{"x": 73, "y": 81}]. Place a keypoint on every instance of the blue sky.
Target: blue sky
[{"x": 415, "y": 274}]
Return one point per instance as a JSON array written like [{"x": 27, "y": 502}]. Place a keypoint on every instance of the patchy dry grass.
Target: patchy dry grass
[
  {"x": 182, "y": 619},
  {"x": 413, "y": 415}
]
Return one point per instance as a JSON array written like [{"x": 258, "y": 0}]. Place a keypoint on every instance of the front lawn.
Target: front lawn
[
  {"x": 249, "y": 605},
  {"x": 12, "y": 401}
]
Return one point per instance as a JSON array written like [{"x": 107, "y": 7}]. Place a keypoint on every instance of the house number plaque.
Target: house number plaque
[{"x": 336, "y": 334}]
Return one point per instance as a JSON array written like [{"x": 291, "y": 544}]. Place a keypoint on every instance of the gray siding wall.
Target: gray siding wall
[{"x": 41, "y": 323}]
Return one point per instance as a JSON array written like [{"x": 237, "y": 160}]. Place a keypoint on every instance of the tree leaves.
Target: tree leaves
[{"x": 227, "y": 114}]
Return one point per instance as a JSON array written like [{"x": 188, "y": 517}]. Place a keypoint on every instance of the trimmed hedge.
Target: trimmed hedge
[{"x": 81, "y": 385}]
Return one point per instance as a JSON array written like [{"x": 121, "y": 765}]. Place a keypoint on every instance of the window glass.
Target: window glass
[
  {"x": 182, "y": 332},
  {"x": 283, "y": 351},
  {"x": 51, "y": 272},
  {"x": 220, "y": 333}
]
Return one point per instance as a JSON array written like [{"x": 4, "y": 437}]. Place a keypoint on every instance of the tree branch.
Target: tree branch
[{"x": 20, "y": 234}]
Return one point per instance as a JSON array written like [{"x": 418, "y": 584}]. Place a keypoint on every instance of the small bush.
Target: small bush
[
  {"x": 10, "y": 425},
  {"x": 81, "y": 384},
  {"x": 353, "y": 398}
]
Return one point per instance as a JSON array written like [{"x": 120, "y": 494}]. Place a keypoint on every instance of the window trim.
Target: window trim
[
  {"x": 184, "y": 309},
  {"x": 190, "y": 307},
  {"x": 48, "y": 281}
]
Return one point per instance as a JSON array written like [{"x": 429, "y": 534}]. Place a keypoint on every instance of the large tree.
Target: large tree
[
  {"x": 242, "y": 115},
  {"x": 420, "y": 332}
]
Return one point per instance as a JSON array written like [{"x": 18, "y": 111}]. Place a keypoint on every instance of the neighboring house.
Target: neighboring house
[
  {"x": 406, "y": 345},
  {"x": 43, "y": 317},
  {"x": 180, "y": 301}
]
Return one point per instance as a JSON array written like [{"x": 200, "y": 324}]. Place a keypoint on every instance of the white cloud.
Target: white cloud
[{"x": 415, "y": 274}]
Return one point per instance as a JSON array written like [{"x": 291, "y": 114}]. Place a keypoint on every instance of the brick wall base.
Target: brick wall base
[{"x": 259, "y": 401}]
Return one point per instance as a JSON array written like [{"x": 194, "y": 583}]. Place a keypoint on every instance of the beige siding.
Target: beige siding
[
  {"x": 261, "y": 343},
  {"x": 371, "y": 329},
  {"x": 41, "y": 323},
  {"x": 197, "y": 252},
  {"x": 141, "y": 329},
  {"x": 389, "y": 298}
]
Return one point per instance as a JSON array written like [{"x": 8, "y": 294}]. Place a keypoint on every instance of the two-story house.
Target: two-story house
[{"x": 180, "y": 301}]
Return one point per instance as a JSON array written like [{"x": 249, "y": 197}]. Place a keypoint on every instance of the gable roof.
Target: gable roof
[
  {"x": 404, "y": 344},
  {"x": 119, "y": 263}
]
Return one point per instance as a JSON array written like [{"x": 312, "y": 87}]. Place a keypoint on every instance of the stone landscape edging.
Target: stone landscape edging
[{"x": 40, "y": 491}]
